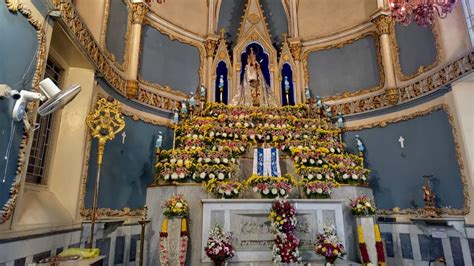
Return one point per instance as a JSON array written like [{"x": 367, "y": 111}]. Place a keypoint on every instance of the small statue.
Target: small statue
[
  {"x": 319, "y": 103},
  {"x": 159, "y": 140},
  {"x": 221, "y": 88},
  {"x": 340, "y": 120},
  {"x": 428, "y": 196},
  {"x": 328, "y": 110},
  {"x": 307, "y": 93},
  {"x": 202, "y": 91},
  {"x": 184, "y": 107},
  {"x": 287, "y": 85},
  {"x": 175, "y": 116},
  {"x": 429, "y": 211},
  {"x": 192, "y": 101},
  {"x": 360, "y": 144}
]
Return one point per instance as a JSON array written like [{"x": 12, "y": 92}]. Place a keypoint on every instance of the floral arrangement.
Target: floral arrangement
[
  {"x": 204, "y": 172},
  {"x": 283, "y": 223},
  {"x": 329, "y": 245},
  {"x": 176, "y": 206},
  {"x": 316, "y": 173},
  {"x": 270, "y": 186},
  {"x": 362, "y": 205},
  {"x": 219, "y": 245},
  {"x": 318, "y": 189},
  {"x": 224, "y": 189}
]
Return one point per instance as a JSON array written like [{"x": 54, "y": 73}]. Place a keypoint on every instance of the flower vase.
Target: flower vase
[
  {"x": 330, "y": 261},
  {"x": 218, "y": 262}
]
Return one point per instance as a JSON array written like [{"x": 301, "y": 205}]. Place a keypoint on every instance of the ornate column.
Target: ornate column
[
  {"x": 139, "y": 11},
  {"x": 212, "y": 41},
  {"x": 295, "y": 48},
  {"x": 384, "y": 24}
]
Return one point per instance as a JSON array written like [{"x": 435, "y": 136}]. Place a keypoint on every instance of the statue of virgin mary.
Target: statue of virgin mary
[{"x": 253, "y": 89}]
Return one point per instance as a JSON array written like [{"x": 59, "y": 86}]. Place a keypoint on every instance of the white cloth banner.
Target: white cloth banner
[{"x": 266, "y": 162}]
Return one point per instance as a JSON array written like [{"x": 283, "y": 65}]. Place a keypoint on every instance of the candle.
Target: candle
[
  {"x": 183, "y": 225},
  {"x": 361, "y": 234},
  {"x": 164, "y": 225},
  {"x": 377, "y": 233}
]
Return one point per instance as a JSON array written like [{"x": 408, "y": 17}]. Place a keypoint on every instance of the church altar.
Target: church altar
[{"x": 253, "y": 239}]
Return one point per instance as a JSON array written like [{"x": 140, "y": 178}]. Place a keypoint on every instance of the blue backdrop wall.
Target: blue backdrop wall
[
  {"x": 276, "y": 18},
  {"x": 417, "y": 47},
  {"x": 397, "y": 172},
  {"x": 17, "y": 53},
  {"x": 349, "y": 68},
  {"x": 168, "y": 62},
  {"x": 127, "y": 167},
  {"x": 117, "y": 29}
]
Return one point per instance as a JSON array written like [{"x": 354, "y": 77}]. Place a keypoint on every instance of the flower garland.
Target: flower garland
[
  {"x": 362, "y": 246},
  {"x": 379, "y": 246},
  {"x": 283, "y": 223},
  {"x": 318, "y": 189},
  {"x": 165, "y": 246}
]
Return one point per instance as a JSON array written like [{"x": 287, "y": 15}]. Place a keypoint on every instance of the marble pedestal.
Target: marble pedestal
[{"x": 347, "y": 193}]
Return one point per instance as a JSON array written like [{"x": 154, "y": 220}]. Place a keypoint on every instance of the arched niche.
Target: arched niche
[
  {"x": 262, "y": 58},
  {"x": 222, "y": 83},
  {"x": 287, "y": 95}
]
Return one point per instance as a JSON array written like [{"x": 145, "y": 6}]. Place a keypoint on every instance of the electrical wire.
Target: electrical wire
[{"x": 9, "y": 146}]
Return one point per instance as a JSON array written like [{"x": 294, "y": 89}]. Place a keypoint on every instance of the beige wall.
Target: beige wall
[
  {"x": 92, "y": 12},
  {"x": 323, "y": 17}
]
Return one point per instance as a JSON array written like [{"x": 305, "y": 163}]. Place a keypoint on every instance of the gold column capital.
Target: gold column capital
[
  {"x": 383, "y": 23},
  {"x": 132, "y": 89},
  {"x": 295, "y": 47},
  {"x": 211, "y": 45},
  {"x": 139, "y": 11}
]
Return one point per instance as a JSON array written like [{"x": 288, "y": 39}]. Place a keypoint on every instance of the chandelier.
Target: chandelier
[{"x": 422, "y": 11}]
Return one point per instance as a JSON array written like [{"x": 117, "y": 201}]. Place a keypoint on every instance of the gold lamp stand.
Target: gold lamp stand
[{"x": 104, "y": 122}]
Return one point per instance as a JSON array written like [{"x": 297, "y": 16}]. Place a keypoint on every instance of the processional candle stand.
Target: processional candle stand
[
  {"x": 104, "y": 122},
  {"x": 143, "y": 222}
]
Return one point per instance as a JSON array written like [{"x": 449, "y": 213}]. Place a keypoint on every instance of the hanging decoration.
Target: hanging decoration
[{"x": 421, "y": 11}]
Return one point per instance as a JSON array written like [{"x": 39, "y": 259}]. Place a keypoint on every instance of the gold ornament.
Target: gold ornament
[
  {"x": 139, "y": 11},
  {"x": 392, "y": 95},
  {"x": 383, "y": 24},
  {"x": 132, "y": 89}
]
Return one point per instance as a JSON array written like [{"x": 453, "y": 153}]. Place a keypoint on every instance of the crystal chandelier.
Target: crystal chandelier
[{"x": 422, "y": 11}]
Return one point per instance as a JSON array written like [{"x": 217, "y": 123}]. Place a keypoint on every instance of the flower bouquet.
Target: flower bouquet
[
  {"x": 176, "y": 206},
  {"x": 362, "y": 206},
  {"x": 318, "y": 189},
  {"x": 224, "y": 189},
  {"x": 219, "y": 245},
  {"x": 270, "y": 186},
  {"x": 329, "y": 245}
]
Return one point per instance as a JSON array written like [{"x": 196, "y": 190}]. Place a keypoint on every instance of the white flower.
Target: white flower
[
  {"x": 274, "y": 191},
  {"x": 246, "y": 124},
  {"x": 220, "y": 191},
  {"x": 310, "y": 176},
  {"x": 211, "y": 134},
  {"x": 319, "y": 190},
  {"x": 236, "y": 191},
  {"x": 173, "y": 160},
  {"x": 217, "y": 160},
  {"x": 200, "y": 159},
  {"x": 174, "y": 176},
  {"x": 202, "y": 175},
  {"x": 319, "y": 176},
  {"x": 225, "y": 160},
  {"x": 179, "y": 205},
  {"x": 167, "y": 176},
  {"x": 242, "y": 148},
  {"x": 230, "y": 124},
  {"x": 368, "y": 204},
  {"x": 220, "y": 176},
  {"x": 228, "y": 192},
  {"x": 211, "y": 176},
  {"x": 266, "y": 191},
  {"x": 224, "y": 135},
  {"x": 363, "y": 177},
  {"x": 255, "y": 189},
  {"x": 320, "y": 162},
  {"x": 232, "y": 160},
  {"x": 182, "y": 175},
  {"x": 282, "y": 192},
  {"x": 304, "y": 160},
  {"x": 332, "y": 150},
  {"x": 308, "y": 191},
  {"x": 345, "y": 176},
  {"x": 311, "y": 161},
  {"x": 207, "y": 160},
  {"x": 195, "y": 136},
  {"x": 355, "y": 177},
  {"x": 358, "y": 205}
]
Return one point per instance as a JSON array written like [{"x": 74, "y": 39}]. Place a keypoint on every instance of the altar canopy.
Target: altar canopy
[{"x": 266, "y": 162}]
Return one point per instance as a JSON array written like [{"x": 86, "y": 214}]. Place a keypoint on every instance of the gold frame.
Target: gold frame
[
  {"x": 373, "y": 33},
  {"x": 172, "y": 36},
  {"x": 103, "y": 38},
  {"x": 16, "y": 7},
  {"x": 108, "y": 212},
  {"x": 396, "y": 54},
  {"x": 457, "y": 146}
]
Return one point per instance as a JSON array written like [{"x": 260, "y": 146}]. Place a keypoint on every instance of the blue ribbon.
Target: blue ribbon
[
  {"x": 260, "y": 161},
  {"x": 274, "y": 162}
]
